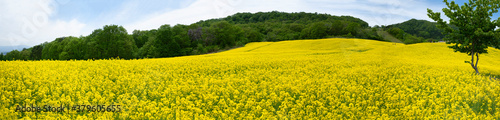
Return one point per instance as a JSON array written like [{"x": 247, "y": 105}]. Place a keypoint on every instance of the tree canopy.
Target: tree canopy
[
  {"x": 476, "y": 31},
  {"x": 420, "y": 28}
]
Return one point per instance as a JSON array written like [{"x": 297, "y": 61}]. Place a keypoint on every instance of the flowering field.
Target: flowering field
[{"x": 302, "y": 79}]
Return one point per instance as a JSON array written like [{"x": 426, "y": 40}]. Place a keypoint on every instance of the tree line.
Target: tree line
[
  {"x": 416, "y": 31},
  {"x": 113, "y": 41}
]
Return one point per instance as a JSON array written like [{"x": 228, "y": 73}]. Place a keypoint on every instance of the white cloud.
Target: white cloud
[
  {"x": 26, "y": 22},
  {"x": 199, "y": 10}
]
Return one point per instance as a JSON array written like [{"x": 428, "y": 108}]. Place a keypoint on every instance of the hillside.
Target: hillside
[
  {"x": 300, "y": 79},
  {"x": 205, "y": 36},
  {"x": 420, "y": 28},
  {"x": 209, "y": 36},
  {"x": 283, "y": 17},
  {"x": 387, "y": 36}
]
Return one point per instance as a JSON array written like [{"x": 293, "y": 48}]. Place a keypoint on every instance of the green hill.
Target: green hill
[
  {"x": 203, "y": 37},
  {"x": 420, "y": 28}
]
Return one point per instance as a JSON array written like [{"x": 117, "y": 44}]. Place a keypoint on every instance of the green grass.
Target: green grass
[{"x": 388, "y": 36}]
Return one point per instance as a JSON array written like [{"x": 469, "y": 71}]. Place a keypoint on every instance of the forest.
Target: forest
[
  {"x": 415, "y": 31},
  {"x": 208, "y": 36}
]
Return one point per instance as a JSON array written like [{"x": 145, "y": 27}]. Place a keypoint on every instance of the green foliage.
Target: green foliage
[
  {"x": 403, "y": 36},
  {"x": 200, "y": 49},
  {"x": 64, "y": 56},
  {"x": 53, "y": 49},
  {"x": 316, "y": 30},
  {"x": 337, "y": 28},
  {"x": 253, "y": 35},
  {"x": 213, "y": 35},
  {"x": 73, "y": 49},
  {"x": 25, "y": 54},
  {"x": 13, "y": 55},
  {"x": 164, "y": 39},
  {"x": 113, "y": 41},
  {"x": 226, "y": 34},
  {"x": 352, "y": 28},
  {"x": 36, "y": 52},
  {"x": 396, "y": 32},
  {"x": 421, "y": 28},
  {"x": 212, "y": 48},
  {"x": 370, "y": 34},
  {"x": 148, "y": 50},
  {"x": 476, "y": 30},
  {"x": 278, "y": 26},
  {"x": 141, "y": 37},
  {"x": 282, "y": 17},
  {"x": 180, "y": 36}
]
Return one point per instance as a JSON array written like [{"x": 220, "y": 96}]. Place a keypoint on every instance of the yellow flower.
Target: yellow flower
[{"x": 304, "y": 79}]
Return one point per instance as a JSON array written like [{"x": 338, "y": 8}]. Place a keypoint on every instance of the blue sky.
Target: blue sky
[{"x": 31, "y": 22}]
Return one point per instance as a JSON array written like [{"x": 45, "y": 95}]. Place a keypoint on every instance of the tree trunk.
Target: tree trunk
[
  {"x": 477, "y": 60},
  {"x": 472, "y": 64},
  {"x": 472, "y": 59}
]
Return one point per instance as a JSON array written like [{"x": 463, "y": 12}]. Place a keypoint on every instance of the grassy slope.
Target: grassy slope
[{"x": 388, "y": 36}]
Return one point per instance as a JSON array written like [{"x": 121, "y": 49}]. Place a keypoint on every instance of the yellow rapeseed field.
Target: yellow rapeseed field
[{"x": 302, "y": 79}]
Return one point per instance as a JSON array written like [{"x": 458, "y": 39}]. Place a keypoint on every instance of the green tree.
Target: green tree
[
  {"x": 148, "y": 50},
  {"x": 163, "y": 41},
  {"x": 13, "y": 55},
  {"x": 36, "y": 52},
  {"x": 91, "y": 50},
  {"x": 476, "y": 30},
  {"x": 25, "y": 54},
  {"x": 113, "y": 41},
  {"x": 53, "y": 49},
  {"x": 226, "y": 34},
  {"x": 316, "y": 30},
  {"x": 73, "y": 49},
  {"x": 174, "y": 49},
  {"x": 421, "y": 28},
  {"x": 396, "y": 32},
  {"x": 180, "y": 36},
  {"x": 253, "y": 35},
  {"x": 296, "y": 27},
  {"x": 45, "y": 50},
  {"x": 64, "y": 56},
  {"x": 141, "y": 37},
  {"x": 352, "y": 28},
  {"x": 336, "y": 28}
]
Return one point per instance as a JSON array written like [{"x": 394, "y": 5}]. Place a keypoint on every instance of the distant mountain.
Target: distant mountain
[
  {"x": 6, "y": 49},
  {"x": 420, "y": 28}
]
